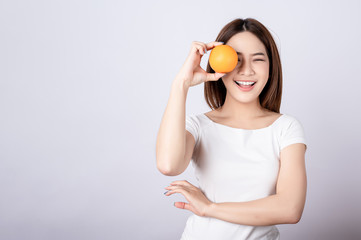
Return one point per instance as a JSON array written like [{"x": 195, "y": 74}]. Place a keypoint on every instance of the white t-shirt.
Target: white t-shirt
[{"x": 237, "y": 165}]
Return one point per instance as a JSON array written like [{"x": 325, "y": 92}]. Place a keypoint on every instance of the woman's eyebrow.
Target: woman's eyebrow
[{"x": 254, "y": 54}]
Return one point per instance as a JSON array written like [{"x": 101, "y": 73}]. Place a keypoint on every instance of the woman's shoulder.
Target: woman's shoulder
[
  {"x": 289, "y": 122},
  {"x": 289, "y": 118},
  {"x": 198, "y": 119}
]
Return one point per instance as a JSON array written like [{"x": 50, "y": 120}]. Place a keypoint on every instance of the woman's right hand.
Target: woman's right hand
[{"x": 191, "y": 72}]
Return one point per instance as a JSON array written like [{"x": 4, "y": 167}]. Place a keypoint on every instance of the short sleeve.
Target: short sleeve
[
  {"x": 293, "y": 133},
  {"x": 193, "y": 126}
]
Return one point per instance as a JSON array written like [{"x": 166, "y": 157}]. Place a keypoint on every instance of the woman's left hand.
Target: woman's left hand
[{"x": 198, "y": 202}]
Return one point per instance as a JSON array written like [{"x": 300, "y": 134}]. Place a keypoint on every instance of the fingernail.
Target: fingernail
[
  {"x": 222, "y": 42},
  {"x": 166, "y": 192},
  {"x": 174, "y": 204}
]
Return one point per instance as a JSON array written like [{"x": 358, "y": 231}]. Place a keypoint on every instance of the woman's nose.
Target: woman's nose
[{"x": 246, "y": 69}]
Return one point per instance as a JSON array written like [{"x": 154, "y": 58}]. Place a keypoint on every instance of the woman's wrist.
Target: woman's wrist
[
  {"x": 180, "y": 83},
  {"x": 210, "y": 209}
]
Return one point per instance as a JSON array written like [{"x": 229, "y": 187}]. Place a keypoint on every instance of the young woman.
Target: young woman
[{"x": 249, "y": 159}]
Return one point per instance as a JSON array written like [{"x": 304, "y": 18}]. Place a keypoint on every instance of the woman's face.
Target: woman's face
[{"x": 253, "y": 65}]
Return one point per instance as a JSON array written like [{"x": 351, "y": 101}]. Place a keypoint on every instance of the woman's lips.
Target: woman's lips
[{"x": 245, "y": 88}]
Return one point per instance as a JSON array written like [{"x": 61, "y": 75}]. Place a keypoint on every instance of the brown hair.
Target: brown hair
[{"x": 270, "y": 97}]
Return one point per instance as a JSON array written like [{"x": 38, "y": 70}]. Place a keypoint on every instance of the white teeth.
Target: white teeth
[{"x": 245, "y": 83}]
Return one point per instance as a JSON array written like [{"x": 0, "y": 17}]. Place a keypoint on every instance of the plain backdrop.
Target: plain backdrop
[{"x": 83, "y": 88}]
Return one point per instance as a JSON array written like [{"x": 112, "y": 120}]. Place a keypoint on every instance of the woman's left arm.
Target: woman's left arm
[{"x": 286, "y": 206}]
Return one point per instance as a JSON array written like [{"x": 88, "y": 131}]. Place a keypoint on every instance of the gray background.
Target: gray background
[{"x": 84, "y": 85}]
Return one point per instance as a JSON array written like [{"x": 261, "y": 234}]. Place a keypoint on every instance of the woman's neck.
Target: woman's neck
[{"x": 241, "y": 111}]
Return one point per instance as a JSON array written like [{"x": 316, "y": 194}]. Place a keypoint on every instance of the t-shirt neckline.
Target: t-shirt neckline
[{"x": 242, "y": 129}]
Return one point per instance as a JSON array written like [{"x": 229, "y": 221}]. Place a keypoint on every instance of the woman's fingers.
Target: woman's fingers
[
  {"x": 200, "y": 47},
  {"x": 204, "y": 47},
  {"x": 174, "y": 187},
  {"x": 197, "y": 201},
  {"x": 211, "y": 45},
  {"x": 191, "y": 71},
  {"x": 173, "y": 190},
  {"x": 183, "y": 187},
  {"x": 181, "y": 182},
  {"x": 182, "y": 205},
  {"x": 214, "y": 76}
]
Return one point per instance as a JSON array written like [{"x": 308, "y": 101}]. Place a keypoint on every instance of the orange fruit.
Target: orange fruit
[{"x": 223, "y": 59}]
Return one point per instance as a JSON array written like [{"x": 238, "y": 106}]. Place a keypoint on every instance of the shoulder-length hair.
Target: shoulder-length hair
[{"x": 270, "y": 97}]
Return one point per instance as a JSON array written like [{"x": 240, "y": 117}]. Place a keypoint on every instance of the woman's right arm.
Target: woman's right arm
[
  {"x": 170, "y": 149},
  {"x": 173, "y": 151}
]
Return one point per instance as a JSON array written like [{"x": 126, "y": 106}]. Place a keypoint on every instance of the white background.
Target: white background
[{"x": 84, "y": 85}]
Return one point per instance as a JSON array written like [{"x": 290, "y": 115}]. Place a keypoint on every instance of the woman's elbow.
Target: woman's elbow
[
  {"x": 294, "y": 215},
  {"x": 167, "y": 171}
]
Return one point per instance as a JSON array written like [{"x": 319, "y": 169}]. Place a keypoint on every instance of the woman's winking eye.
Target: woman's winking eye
[{"x": 254, "y": 60}]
